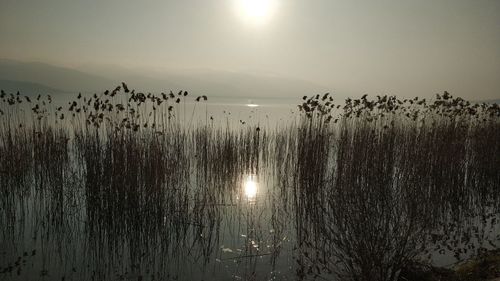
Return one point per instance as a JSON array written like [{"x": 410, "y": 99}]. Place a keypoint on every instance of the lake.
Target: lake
[{"x": 137, "y": 187}]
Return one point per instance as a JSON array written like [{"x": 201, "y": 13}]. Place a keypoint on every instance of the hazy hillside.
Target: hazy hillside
[
  {"x": 94, "y": 79},
  {"x": 209, "y": 81},
  {"x": 27, "y": 88},
  {"x": 65, "y": 79},
  {"x": 35, "y": 77}
]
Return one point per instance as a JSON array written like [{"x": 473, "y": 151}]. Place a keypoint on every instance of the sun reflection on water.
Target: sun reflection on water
[{"x": 250, "y": 187}]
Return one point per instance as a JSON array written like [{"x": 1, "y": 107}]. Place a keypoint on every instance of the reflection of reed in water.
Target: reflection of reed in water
[
  {"x": 385, "y": 185},
  {"x": 117, "y": 183}
]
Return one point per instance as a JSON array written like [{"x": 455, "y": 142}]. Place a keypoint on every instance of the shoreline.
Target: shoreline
[{"x": 484, "y": 267}]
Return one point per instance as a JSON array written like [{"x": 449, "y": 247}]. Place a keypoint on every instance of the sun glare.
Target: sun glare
[
  {"x": 256, "y": 11},
  {"x": 250, "y": 188}
]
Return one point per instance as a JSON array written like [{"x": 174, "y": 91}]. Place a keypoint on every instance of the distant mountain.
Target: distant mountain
[
  {"x": 64, "y": 79},
  {"x": 208, "y": 82},
  {"x": 26, "y": 88}
]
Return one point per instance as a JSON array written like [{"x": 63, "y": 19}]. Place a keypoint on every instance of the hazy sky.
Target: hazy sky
[{"x": 404, "y": 47}]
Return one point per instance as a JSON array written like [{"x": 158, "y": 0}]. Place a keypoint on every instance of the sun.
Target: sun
[{"x": 256, "y": 12}]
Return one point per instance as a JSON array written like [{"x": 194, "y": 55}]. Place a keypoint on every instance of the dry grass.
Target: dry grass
[{"x": 370, "y": 185}]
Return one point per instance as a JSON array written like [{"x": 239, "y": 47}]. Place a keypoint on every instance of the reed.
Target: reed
[{"x": 366, "y": 187}]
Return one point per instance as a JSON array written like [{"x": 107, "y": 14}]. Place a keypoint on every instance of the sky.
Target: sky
[{"x": 401, "y": 47}]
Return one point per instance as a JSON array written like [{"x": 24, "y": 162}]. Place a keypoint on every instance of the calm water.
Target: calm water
[{"x": 231, "y": 204}]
